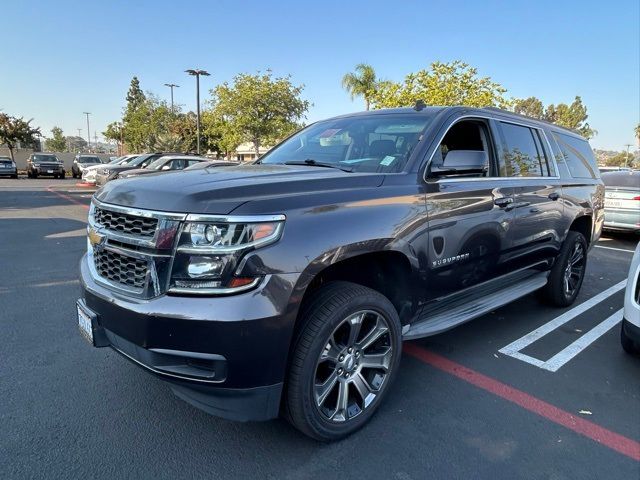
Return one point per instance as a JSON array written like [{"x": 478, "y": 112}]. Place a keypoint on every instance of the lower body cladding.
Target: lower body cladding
[{"x": 225, "y": 355}]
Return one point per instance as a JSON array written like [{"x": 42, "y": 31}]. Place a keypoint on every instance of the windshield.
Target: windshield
[
  {"x": 89, "y": 160},
  {"x": 374, "y": 143},
  {"x": 157, "y": 164},
  {"x": 44, "y": 158},
  {"x": 138, "y": 161}
]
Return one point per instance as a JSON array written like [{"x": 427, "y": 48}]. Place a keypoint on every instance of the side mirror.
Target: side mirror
[
  {"x": 462, "y": 162},
  {"x": 166, "y": 167}
]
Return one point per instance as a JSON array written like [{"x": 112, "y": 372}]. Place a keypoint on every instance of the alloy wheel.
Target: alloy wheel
[
  {"x": 353, "y": 366},
  {"x": 574, "y": 270}
]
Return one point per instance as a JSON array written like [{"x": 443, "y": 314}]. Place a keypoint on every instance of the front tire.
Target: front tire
[
  {"x": 344, "y": 360},
  {"x": 567, "y": 274}
]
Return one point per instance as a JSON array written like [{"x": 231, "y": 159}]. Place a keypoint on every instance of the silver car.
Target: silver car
[
  {"x": 630, "y": 333},
  {"x": 622, "y": 201}
]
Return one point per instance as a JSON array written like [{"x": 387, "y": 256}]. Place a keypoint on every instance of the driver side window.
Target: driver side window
[{"x": 465, "y": 148}]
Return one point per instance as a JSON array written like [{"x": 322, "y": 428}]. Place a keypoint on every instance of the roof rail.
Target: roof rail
[{"x": 528, "y": 117}]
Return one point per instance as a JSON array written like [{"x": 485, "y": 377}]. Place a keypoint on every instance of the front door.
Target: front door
[{"x": 470, "y": 216}]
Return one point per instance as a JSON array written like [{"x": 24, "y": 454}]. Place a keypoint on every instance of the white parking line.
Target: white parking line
[
  {"x": 614, "y": 248},
  {"x": 555, "y": 362},
  {"x": 562, "y": 357}
]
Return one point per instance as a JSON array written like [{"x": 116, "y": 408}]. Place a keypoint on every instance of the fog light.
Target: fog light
[{"x": 207, "y": 267}]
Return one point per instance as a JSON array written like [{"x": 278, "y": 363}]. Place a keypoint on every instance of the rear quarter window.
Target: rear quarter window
[{"x": 578, "y": 156}]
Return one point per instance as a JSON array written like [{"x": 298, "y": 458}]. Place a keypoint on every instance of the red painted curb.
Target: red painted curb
[
  {"x": 67, "y": 197},
  {"x": 614, "y": 441}
]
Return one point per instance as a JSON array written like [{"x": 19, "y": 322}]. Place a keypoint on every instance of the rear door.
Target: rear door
[{"x": 538, "y": 226}]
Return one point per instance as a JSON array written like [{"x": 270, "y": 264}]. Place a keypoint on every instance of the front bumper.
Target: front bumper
[
  {"x": 225, "y": 355},
  {"x": 8, "y": 171},
  {"x": 57, "y": 170}
]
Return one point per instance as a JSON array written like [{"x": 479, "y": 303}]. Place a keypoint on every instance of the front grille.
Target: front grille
[
  {"x": 121, "y": 269},
  {"x": 124, "y": 223}
]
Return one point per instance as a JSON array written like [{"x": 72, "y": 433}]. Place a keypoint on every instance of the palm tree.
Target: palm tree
[
  {"x": 637, "y": 132},
  {"x": 361, "y": 82}
]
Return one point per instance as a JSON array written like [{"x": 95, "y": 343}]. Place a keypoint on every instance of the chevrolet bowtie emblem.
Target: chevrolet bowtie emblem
[{"x": 94, "y": 237}]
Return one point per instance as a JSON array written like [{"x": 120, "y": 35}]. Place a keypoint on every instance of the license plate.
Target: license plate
[
  {"x": 49, "y": 171},
  {"x": 85, "y": 324}
]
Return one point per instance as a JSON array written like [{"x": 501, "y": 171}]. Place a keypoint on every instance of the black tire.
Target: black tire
[
  {"x": 628, "y": 345},
  {"x": 34, "y": 175},
  {"x": 555, "y": 291},
  {"x": 14, "y": 176},
  {"x": 333, "y": 307},
  {"x": 62, "y": 175},
  {"x": 29, "y": 174}
]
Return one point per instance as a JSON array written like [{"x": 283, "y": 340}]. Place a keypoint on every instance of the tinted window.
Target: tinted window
[
  {"x": 578, "y": 156},
  {"x": 522, "y": 154},
  {"x": 364, "y": 143}
]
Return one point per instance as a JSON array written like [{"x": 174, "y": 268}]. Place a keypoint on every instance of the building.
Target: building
[{"x": 247, "y": 153}]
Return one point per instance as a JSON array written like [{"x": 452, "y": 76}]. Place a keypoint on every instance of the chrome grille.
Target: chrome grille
[
  {"x": 124, "y": 223},
  {"x": 122, "y": 269}
]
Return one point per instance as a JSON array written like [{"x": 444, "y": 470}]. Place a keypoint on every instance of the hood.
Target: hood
[
  {"x": 93, "y": 166},
  {"x": 221, "y": 190}
]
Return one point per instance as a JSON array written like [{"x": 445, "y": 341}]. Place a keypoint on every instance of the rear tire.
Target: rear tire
[
  {"x": 343, "y": 362},
  {"x": 628, "y": 345},
  {"x": 567, "y": 274}
]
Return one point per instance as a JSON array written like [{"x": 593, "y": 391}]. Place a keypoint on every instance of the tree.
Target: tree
[
  {"x": 622, "y": 159},
  {"x": 361, "y": 83},
  {"x": 219, "y": 134},
  {"x": 144, "y": 122},
  {"x": 573, "y": 116},
  {"x": 114, "y": 132},
  {"x": 260, "y": 108},
  {"x": 637, "y": 132},
  {"x": 76, "y": 144},
  {"x": 135, "y": 95},
  {"x": 531, "y": 107},
  {"x": 14, "y": 130},
  {"x": 454, "y": 83},
  {"x": 58, "y": 143}
]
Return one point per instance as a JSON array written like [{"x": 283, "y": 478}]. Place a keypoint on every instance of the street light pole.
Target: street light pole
[
  {"x": 88, "y": 131},
  {"x": 197, "y": 74},
  {"x": 172, "y": 86}
]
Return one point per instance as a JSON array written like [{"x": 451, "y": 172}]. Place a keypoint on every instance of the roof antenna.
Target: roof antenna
[{"x": 419, "y": 105}]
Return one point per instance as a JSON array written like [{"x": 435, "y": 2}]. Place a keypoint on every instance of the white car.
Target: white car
[
  {"x": 89, "y": 173},
  {"x": 630, "y": 333}
]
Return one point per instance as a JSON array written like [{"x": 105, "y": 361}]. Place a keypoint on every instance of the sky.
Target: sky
[{"x": 60, "y": 59}]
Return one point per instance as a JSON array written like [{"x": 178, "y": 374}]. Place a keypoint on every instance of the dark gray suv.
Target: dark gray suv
[{"x": 286, "y": 287}]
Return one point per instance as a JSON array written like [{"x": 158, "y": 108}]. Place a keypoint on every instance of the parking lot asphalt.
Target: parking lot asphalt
[{"x": 479, "y": 401}]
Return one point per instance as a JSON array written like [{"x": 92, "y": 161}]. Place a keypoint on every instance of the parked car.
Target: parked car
[
  {"x": 622, "y": 201},
  {"x": 166, "y": 163},
  {"x": 89, "y": 173},
  {"x": 212, "y": 164},
  {"x": 288, "y": 285},
  {"x": 80, "y": 162},
  {"x": 44, "y": 164},
  {"x": 630, "y": 332},
  {"x": 8, "y": 167},
  {"x": 111, "y": 172}
]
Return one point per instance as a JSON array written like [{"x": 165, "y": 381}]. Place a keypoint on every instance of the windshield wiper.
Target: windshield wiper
[{"x": 314, "y": 163}]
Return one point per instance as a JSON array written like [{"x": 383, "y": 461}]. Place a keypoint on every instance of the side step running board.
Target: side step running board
[{"x": 433, "y": 322}]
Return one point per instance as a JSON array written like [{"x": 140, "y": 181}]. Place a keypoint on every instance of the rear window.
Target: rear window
[
  {"x": 578, "y": 156},
  {"x": 622, "y": 179}
]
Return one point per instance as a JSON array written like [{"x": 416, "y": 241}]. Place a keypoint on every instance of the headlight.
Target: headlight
[{"x": 209, "y": 252}]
